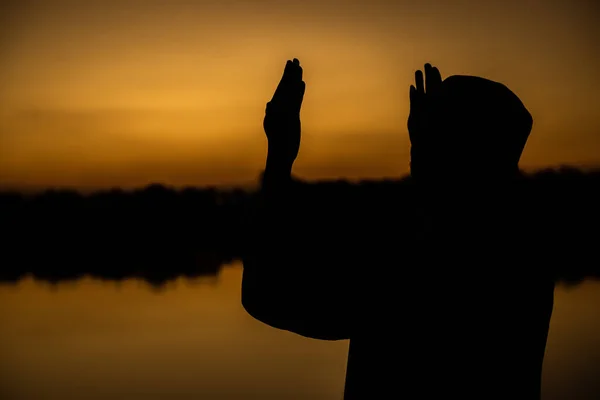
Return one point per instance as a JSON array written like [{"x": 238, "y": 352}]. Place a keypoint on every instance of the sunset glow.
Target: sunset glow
[{"x": 98, "y": 94}]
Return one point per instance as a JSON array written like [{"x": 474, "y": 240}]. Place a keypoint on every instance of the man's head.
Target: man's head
[
  {"x": 474, "y": 127},
  {"x": 484, "y": 123}
]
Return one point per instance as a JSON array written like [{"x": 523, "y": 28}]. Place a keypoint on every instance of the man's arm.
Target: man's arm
[
  {"x": 296, "y": 274},
  {"x": 291, "y": 280}
]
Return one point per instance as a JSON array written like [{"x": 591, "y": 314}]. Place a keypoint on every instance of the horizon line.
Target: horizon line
[{"x": 249, "y": 185}]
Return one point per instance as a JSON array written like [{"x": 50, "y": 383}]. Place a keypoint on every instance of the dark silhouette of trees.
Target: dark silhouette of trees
[{"x": 159, "y": 233}]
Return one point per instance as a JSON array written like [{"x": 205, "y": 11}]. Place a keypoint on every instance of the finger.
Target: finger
[
  {"x": 302, "y": 89},
  {"x": 419, "y": 82},
  {"x": 292, "y": 87},
  {"x": 289, "y": 66},
  {"x": 412, "y": 96},
  {"x": 300, "y": 71},
  {"x": 293, "y": 71},
  {"x": 295, "y": 74},
  {"x": 281, "y": 87},
  {"x": 292, "y": 102},
  {"x": 433, "y": 80},
  {"x": 437, "y": 75},
  {"x": 429, "y": 85}
]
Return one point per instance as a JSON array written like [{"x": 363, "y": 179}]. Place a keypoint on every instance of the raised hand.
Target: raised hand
[
  {"x": 282, "y": 119},
  {"x": 424, "y": 120},
  {"x": 423, "y": 104}
]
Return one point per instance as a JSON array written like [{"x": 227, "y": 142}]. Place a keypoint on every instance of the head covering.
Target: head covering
[{"x": 482, "y": 124}]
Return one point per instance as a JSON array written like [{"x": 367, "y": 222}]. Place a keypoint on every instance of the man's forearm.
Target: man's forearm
[{"x": 277, "y": 171}]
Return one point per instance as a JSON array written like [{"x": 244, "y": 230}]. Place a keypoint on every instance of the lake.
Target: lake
[{"x": 93, "y": 339}]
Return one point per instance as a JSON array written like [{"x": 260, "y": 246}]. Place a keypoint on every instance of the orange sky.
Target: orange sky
[{"x": 124, "y": 93}]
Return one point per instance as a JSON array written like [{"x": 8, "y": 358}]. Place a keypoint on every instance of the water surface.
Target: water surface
[{"x": 193, "y": 340}]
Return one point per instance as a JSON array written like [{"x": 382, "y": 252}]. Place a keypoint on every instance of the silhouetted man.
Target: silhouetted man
[{"x": 464, "y": 311}]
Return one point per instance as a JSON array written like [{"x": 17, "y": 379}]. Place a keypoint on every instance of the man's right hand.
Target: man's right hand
[
  {"x": 424, "y": 122},
  {"x": 282, "y": 120}
]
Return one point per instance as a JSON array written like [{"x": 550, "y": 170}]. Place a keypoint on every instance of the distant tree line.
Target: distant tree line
[{"x": 159, "y": 233}]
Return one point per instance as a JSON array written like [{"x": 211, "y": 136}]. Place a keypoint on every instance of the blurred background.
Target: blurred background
[{"x": 102, "y": 94}]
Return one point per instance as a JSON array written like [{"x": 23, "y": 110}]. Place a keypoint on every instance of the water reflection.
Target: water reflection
[{"x": 193, "y": 340}]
